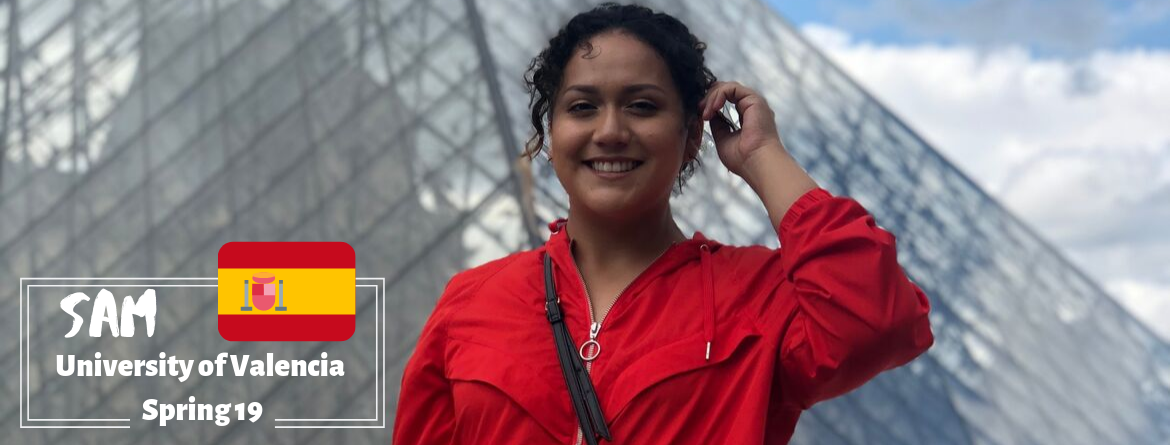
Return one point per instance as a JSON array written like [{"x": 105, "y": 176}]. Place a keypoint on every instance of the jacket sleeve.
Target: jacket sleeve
[
  {"x": 855, "y": 312},
  {"x": 426, "y": 410}
]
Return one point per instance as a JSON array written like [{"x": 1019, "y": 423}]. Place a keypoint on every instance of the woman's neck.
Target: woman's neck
[{"x": 602, "y": 244}]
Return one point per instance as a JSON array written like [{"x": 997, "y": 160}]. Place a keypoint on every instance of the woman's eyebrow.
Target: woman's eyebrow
[
  {"x": 642, "y": 87},
  {"x": 591, "y": 89}
]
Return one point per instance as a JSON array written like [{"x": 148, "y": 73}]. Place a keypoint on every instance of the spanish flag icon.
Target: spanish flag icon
[{"x": 287, "y": 291}]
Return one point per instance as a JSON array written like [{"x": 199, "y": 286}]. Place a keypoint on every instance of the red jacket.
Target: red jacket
[{"x": 789, "y": 327}]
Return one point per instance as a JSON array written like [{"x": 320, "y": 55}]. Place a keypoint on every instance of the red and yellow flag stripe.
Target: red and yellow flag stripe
[{"x": 295, "y": 291}]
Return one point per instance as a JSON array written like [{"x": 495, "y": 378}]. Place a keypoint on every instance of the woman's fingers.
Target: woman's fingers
[
  {"x": 720, "y": 128},
  {"x": 722, "y": 92}
]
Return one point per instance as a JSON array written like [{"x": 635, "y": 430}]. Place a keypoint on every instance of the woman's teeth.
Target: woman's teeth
[{"x": 614, "y": 167}]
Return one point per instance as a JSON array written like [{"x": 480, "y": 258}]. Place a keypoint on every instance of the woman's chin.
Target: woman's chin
[{"x": 614, "y": 205}]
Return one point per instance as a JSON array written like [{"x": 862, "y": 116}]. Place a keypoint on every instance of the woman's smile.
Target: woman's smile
[{"x": 611, "y": 167}]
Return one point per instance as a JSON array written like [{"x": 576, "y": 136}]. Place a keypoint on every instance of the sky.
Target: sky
[{"x": 1058, "y": 108}]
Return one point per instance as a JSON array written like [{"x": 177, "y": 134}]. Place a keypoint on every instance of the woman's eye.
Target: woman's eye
[
  {"x": 644, "y": 106},
  {"x": 579, "y": 106}
]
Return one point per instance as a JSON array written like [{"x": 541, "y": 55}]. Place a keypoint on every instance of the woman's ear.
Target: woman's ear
[{"x": 694, "y": 139}]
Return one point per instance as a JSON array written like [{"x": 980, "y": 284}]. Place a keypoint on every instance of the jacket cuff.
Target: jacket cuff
[{"x": 803, "y": 203}]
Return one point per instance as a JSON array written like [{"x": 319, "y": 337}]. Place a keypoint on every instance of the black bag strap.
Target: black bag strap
[{"x": 581, "y": 391}]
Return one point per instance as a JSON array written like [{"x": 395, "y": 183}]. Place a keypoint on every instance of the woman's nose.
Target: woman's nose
[{"x": 611, "y": 130}]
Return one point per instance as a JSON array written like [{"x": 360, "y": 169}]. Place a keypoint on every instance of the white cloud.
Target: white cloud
[
  {"x": 1080, "y": 148},
  {"x": 1143, "y": 297}
]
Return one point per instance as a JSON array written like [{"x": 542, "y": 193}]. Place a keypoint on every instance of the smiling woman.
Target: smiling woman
[{"x": 658, "y": 337}]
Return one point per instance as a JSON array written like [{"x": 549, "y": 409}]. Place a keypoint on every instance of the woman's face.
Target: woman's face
[{"x": 617, "y": 132}]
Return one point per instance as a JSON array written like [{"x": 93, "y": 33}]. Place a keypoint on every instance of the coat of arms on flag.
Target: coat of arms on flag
[{"x": 287, "y": 291}]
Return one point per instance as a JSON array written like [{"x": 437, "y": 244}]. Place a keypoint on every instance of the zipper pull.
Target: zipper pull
[{"x": 595, "y": 351}]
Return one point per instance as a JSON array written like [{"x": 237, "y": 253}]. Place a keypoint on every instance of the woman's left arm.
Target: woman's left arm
[{"x": 856, "y": 313}]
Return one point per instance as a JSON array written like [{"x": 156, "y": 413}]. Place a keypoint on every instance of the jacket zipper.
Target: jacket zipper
[{"x": 595, "y": 326}]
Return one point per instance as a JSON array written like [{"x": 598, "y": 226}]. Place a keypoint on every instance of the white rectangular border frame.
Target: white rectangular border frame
[{"x": 25, "y": 322}]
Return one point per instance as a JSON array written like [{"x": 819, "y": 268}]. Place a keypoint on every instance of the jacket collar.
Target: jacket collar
[
  {"x": 698, "y": 246},
  {"x": 558, "y": 244}
]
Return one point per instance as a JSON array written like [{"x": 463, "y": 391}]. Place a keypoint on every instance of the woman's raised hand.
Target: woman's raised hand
[{"x": 737, "y": 149}]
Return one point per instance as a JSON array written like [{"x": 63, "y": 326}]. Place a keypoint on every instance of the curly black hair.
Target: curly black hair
[{"x": 669, "y": 37}]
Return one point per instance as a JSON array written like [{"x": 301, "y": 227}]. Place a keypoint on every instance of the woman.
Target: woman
[{"x": 685, "y": 340}]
